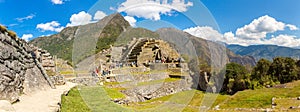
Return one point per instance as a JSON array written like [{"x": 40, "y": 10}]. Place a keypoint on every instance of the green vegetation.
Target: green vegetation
[
  {"x": 264, "y": 51},
  {"x": 114, "y": 93},
  {"x": 236, "y": 78},
  {"x": 3, "y": 29},
  {"x": 261, "y": 98},
  {"x": 86, "y": 99},
  {"x": 59, "y": 44},
  {"x": 12, "y": 34},
  {"x": 264, "y": 74},
  {"x": 73, "y": 102},
  {"x": 97, "y": 37},
  {"x": 131, "y": 33},
  {"x": 158, "y": 81},
  {"x": 98, "y": 99}
]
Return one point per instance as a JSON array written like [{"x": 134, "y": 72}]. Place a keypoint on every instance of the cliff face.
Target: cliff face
[{"x": 20, "y": 72}]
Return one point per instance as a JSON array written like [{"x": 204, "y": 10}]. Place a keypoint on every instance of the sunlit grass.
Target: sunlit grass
[{"x": 261, "y": 98}]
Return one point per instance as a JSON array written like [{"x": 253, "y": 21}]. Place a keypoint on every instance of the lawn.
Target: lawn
[
  {"x": 86, "y": 99},
  {"x": 261, "y": 98},
  {"x": 98, "y": 99}
]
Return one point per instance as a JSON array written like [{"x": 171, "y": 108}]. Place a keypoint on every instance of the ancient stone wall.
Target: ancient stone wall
[
  {"x": 20, "y": 71},
  {"x": 140, "y": 77},
  {"x": 44, "y": 57},
  {"x": 147, "y": 92}
]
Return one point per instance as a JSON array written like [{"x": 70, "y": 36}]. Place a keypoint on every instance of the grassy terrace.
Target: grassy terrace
[
  {"x": 261, "y": 98},
  {"x": 91, "y": 99},
  {"x": 98, "y": 99}
]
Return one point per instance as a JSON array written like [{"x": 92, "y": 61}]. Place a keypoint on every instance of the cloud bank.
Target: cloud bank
[
  {"x": 153, "y": 9},
  {"x": 252, "y": 34}
]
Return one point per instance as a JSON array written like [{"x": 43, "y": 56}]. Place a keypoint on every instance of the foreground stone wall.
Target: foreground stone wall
[{"x": 20, "y": 72}]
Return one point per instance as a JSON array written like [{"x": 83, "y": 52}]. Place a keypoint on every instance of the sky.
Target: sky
[{"x": 243, "y": 22}]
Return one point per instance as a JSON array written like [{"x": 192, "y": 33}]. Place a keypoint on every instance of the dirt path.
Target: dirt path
[{"x": 42, "y": 101}]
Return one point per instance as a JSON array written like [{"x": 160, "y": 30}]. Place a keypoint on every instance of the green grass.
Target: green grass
[
  {"x": 98, "y": 99},
  {"x": 261, "y": 98},
  {"x": 188, "y": 101},
  {"x": 85, "y": 99},
  {"x": 73, "y": 102},
  {"x": 114, "y": 93},
  {"x": 286, "y": 103},
  {"x": 158, "y": 81}
]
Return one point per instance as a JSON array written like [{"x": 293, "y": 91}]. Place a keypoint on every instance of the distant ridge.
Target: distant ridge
[{"x": 265, "y": 51}]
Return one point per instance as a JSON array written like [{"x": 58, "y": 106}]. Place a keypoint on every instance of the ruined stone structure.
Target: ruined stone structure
[
  {"x": 149, "y": 63},
  {"x": 20, "y": 71},
  {"x": 44, "y": 57},
  {"x": 150, "y": 51}
]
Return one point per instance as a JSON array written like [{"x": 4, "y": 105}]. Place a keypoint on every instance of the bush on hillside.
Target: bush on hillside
[
  {"x": 3, "y": 29},
  {"x": 12, "y": 34}
]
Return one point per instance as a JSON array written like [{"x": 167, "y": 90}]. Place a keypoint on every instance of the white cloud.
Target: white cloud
[
  {"x": 57, "y": 1},
  {"x": 50, "y": 26},
  {"x": 26, "y": 37},
  {"x": 259, "y": 28},
  {"x": 230, "y": 38},
  {"x": 99, "y": 15},
  {"x": 31, "y": 16},
  {"x": 292, "y": 27},
  {"x": 205, "y": 32},
  {"x": 81, "y": 18},
  {"x": 131, "y": 20},
  {"x": 284, "y": 40},
  {"x": 152, "y": 9}
]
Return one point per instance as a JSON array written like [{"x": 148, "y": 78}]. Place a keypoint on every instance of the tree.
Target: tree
[
  {"x": 283, "y": 70},
  {"x": 260, "y": 73},
  {"x": 236, "y": 78}
]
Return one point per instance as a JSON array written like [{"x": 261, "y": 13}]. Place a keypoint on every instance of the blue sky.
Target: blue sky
[{"x": 244, "y": 22}]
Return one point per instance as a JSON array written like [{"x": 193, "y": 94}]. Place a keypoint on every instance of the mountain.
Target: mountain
[
  {"x": 202, "y": 54},
  {"x": 265, "y": 51},
  {"x": 80, "y": 44},
  {"x": 213, "y": 53},
  {"x": 76, "y": 43}
]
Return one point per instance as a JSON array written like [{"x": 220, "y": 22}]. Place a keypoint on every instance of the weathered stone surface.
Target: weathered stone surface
[
  {"x": 86, "y": 81},
  {"x": 5, "y": 106},
  {"x": 58, "y": 80},
  {"x": 19, "y": 71},
  {"x": 147, "y": 92}
]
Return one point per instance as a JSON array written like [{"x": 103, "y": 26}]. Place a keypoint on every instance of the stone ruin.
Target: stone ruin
[
  {"x": 44, "y": 57},
  {"x": 140, "y": 58},
  {"x": 20, "y": 71},
  {"x": 48, "y": 62}
]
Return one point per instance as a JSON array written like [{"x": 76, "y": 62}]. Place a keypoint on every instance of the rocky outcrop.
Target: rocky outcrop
[{"x": 20, "y": 71}]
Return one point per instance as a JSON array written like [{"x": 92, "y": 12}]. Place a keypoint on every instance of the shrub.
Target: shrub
[
  {"x": 3, "y": 29},
  {"x": 12, "y": 34}
]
